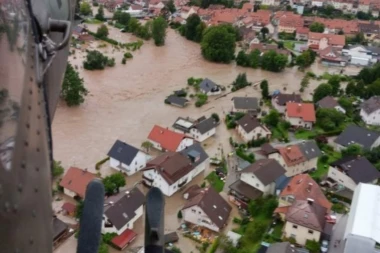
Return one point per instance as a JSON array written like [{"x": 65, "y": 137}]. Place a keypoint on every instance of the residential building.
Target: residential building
[
  {"x": 241, "y": 194},
  {"x": 209, "y": 88},
  {"x": 332, "y": 56},
  {"x": 262, "y": 47},
  {"x": 364, "y": 5},
  {"x": 172, "y": 171},
  {"x": 75, "y": 182},
  {"x": 301, "y": 187},
  {"x": 359, "y": 55},
  {"x": 343, "y": 5},
  {"x": 167, "y": 140},
  {"x": 297, "y": 158},
  {"x": 302, "y": 33},
  {"x": 288, "y": 22},
  {"x": 369, "y": 30},
  {"x": 263, "y": 175},
  {"x": 305, "y": 220},
  {"x": 354, "y": 134},
  {"x": 348, "y": 172},
  {"x": 321, "y": 41},
  {"x": 330, "y": 102},
  {"x": 245, "y": 104},
  {"x": 250, "y": 128},
  {"x": 126, "y": 158},
  {"x": 60, "y": 230},
  {"x": 317, "y": 3},
  {"x": 121, "y": 211},
  {"x": 200, "y": 129},
  {"x": 300, "y": 114},
  {"x": 370, "y": 111},
  {"x": 177, "y": 101},
  {"x": 206, "y": 208},
  {"x": 280, "y": 247},
  {"x": 362, "y": 229},
  {"x": 279, "y": 100},
  {"x": 156, "y": 4}
]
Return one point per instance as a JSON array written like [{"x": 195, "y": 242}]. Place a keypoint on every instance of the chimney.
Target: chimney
[
  {"x": 289, "y": 149},
  {"x": 161, "y": 132},
  {"x": 288, "y": 187},
  {"x": 310, "y": 201},
  {"x": 309, "y": 187},
  {"x": 299, "y": 108}
]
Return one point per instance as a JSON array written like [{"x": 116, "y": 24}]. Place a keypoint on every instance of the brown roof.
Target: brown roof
[
  {"x": 292, "y": 20},
  {"x": 333, "y": 39},
  {"x": 327, "y": 102},
  {"x": 249, "y": 123},
  {"x": 246, "y": 190},
  {"x": 331, "y": 54},
  {"x": 283, "y": 98},
  {"x": 168, "y": 139},
  {"x": 371, "y": 105},
  {"x": 76, "y": 180},
  {"x": 212, "y": 204},
  {"x": 302, "y": 187},
  {"x": 172, "y": 166},
  {"x": 266, "y": 170},
  {"x": 307, "y": 214},
  {"x": 192, "y": 190},
  {"x": 305, "y": 111},
  {"x": 303, "y": 30},
  {"x": 268, "y": 149},
  {"x": 292, "y": 155}
]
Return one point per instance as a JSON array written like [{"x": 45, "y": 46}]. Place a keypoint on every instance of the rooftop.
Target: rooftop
[
  {"x": 76, "y": 180},
  {"x": 305, "y": 111},
  {"x": 292, "y": 155},
  {"x": 245, "y": 189},
  {"x": 168, "y": 139},
  {"x": 333, "y": 39},
  {"x": 354, "y": 134},
  {"x": 283, "y": 98},
  {"x": 205, "y": 125},
  {"x": 266, "y": 170},
  {"x": 371, "y": 105},
  {"x": 327, "y": 102},
  {"x": 207, "y": 85},
  {"x": 123, "y": 152},
  {"x": 249, "y": 123},
  {"x": 179, "y": 101},
  {"x": 246, "y": 103}
]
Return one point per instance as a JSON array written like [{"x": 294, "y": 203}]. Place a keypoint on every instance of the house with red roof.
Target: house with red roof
[
  {"x": 302, "y": 33},
  {"x": 288, "y": 22},
  {"x": 320, "y": 41},
  {"x": 75, "y": 182},
  {"x": 167, "y": 140},
  {"x": 300, "y": 114}
]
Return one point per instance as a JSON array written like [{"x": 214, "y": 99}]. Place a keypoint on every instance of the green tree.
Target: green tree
[
  {"x": 107, "y": 237},
  {"x": 102, "y": 31},
  {"x": 79, "y": 209},
  {"x": 317, "y": 27},
  {"x": 255, "y": 230},
  {"x": 305, "y": 59},
  {"x": 133, "y": 25},
  {"x": 334, "y": 81},
  {"x": 218, "y": 44},
  {"x": 352, "y": 150},
  {"x": 373, "y": 89},
  {"x": 179, "y": 214},
  {"x": 147, "y": 145},
  {"x": 116, "y": 15},
  {"x": 254, "y": 58},
  {"x": 273, "y": 61},
  {"x": 351, "y": 88},
  {"x": 313, "y": 246},
  {"x": 100, "y": 14},
  {"x": 95, "y": 60},
  {"x": 159, "y": 31},
  {"x": 329, "y": 119},
  {"x": 113, "y": 182},
  {"x": 103, "y": 248},
  {"x": 124, "y": 18},
  {"x": 215, "y": 116},
  {"x": 346, "y": 104},
  {"x": 272, "y": 119},
  {"x": 192, "y": 23},
  {"x": 85, "y": 9},
  {"x": 264, "y": 89},
  {"x": 240, "y": 82},
  {"x": 170, "y": 6},
  {"x": 175, "y": 249},
  {"x": 199, "y": 32},
  {"x": 264, "y": 31},
  {"x": 242, "y": 59},
  {"x": 73, "y": 90},
  {"x": 322, "y": 91},
  {"x": 57, "y": 169}
]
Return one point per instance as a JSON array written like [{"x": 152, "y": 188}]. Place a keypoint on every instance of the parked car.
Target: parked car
[{"x": 324, "y": 246}]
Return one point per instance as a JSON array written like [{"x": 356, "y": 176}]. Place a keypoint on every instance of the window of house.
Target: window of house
[
  {"x": 290, "y": 199},
  {"x": 199, "y": 212},
  {"x": 310, "y": 231},
  {"x": 257, "y": 185},
  {"x": 192, "y": 210},
  {"x": 295, "y": 226}
]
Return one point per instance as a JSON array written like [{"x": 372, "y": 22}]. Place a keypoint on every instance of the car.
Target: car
[{"x": 324, "y": 246}]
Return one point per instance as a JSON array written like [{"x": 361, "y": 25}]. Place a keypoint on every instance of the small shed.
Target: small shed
[
  {"x": 171, "y": 237},
  {"x": 177, "y": 101}
]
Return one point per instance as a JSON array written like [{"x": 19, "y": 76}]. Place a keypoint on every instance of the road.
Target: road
[{"x": 232, "y": 175}]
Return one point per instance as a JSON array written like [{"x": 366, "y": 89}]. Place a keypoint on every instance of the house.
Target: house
[
  {"x": 156, "y": 4},
  {"x": 301, "y": 187},
  {"x": 369, "y": 30},
  {"x": 300, "y": 114},
  {"x": 364, "y": 5},
  {"x": 331, "y": 56},
  {"x": 354, "y": 134},
  {"x": 302, "y": 33},
  {"x": 279, "y": 100},
  {"x": 60, "y": 230},
  {"x": 358, "y": 55},
  {"x": 305, "y": 220},
  {"x": 121, "y": 211},
  {"x": 362, "y": 230},
  {"x": 187, "y": 11},
  {"x": 288, "y": 22},
  {"x": 172, "y": 171},
  {"x": 263, "y": 175},
  {"x": 126, "y": 158},
  {"x": 68, "y": 209},
  {"x": 281, "y": 247},
  {"x": 78, "y": 30},
  {"x": 245, "y": 104},
  {"x": 241, "y": 193},
  {"x": 297, "y": 158},
  {"x": 164, "y": 139},
  {"x": 177, "y": 101},
  {"x": 250, "y": 128},
  {"x": 209, "y": 88},
  {"x": 206, "y": 208},
  {"x": 349, "y": 171},
  {"x": 200, "y": 129},
  {"x": 317, "y": 3},
  {"x": 262, "y": 47},
  {"x": 370, "y": 111},
  {"x": 321, "y": 41},
  {"x": 330, "y": 102},
  {"x": 75, "y": 182}
]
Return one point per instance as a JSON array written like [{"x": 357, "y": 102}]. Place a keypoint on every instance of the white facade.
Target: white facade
[
  {"x": 372, "y": 118},
  {"x": 268, "y": 2},
  {"x": 195, "y": 215},
  {"x": 298, "y": 122},
  {"x": 317, "y": 3},
  {"x": 256, "y": 133},
  {"x": 194, "y": 133},
  {"x": 186, "y": 142},
  {"x": 358, "y": 56},
  {"x": 364, "y": 8},
  {"x": 295, "y": 169},
  {"x": 69, "y": 193},
  {"x": 301, "y": 233},
  {"x": 252, "y": 180},
  {"x": 129, "y": 225},
  {"x": 168, "y": 190},
  {"x": 137, "y": 164},
  {"x": 341, "y": 178}
]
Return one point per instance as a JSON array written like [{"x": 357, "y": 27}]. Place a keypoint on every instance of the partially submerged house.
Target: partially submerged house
[
  {"x": 330, "y": 102},
  {"x": 60, "y": 230},
  {"x": 300, "y": 114},
  {"x": 354, "y": 134},
  {"x": 75, "y": 182},
  {"x": 245, "y": 104},
  {"x": 126, "y": 158},
  {"x": 209, "y": 88},
  {"x": 200, "y": 129},
  {"x": 167, "y": 140},
  {"x": 370, "y": 111},
  {"x": 177, "y": 101},
  {"x": 250, "y": 128},
  {"x": 206, "y": 208},
  {"x": 279, "y": 100}
]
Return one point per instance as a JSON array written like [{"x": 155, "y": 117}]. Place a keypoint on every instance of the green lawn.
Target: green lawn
[
  {"x": 289, "y": 44},
  {"x": 277, "y": 232},
  {"x": 215, "y": 181},
  {"x": 93, "y": 21},
  {"x": 304, "y": 134},
  {"x": 279, "y": 132},
  {"x": 322, "y": 168}
]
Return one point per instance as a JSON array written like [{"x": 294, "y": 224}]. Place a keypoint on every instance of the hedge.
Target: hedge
[
  {"x": 214, "y": 246},
  {"x": 341, "y": 198},
  {"x": 98, "y": 164},
  {"x": 111, "y": 41}
]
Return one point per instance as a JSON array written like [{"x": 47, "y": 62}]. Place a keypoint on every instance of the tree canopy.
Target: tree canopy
[
  {"x": 85, "y": 8},
  {"x": 317, "y": 27},
  {"x": 352, "y": 150},
  {"x": 100, "y": 14},
  {"x": 273, "y": 61},
  {"x": 113, "y": 182},
  {"x": 170, "y": 6},
  {"x": 57, "y": 169},
  {"x": 95, "y": 60},
  {"x": 322, "y": 91},
  {"x": 240, "y": 82},
  {"x": 102, "y": 31},
  {"x": 121, "y": 17},
  {"x": 329, "y": 119},
  {"x": 159, "y": 31},
  {"x": 218, "y": 44},
  {"x": 264, "y": 31},
  {"x": 73, "y": 90},
  {"x": 272, "y": 119},
  {"x": 305, "y": 59},
  {"x": 264, "y": 89},
  {"x": 192, "y": 22}
]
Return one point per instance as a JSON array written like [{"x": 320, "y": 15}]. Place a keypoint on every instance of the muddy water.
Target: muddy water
[{"x": 127, "y": 100}]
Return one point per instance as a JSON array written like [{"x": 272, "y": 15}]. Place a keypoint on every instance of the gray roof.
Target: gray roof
[
  {"x": 309, "y": 149},
  {"x": 371, "y": 105},
  {"x": 375, "y": 50},
  {"x": 246, "y": 103},
  {"x": 327, "y": 102},
  {"x": 359, "y": 169},
  {"x": 242, "y": 164},
  {"x": 354, "y": 134},
  {"x": 369, "y": 28},
  {"x": 179, "y": 101},
  {"x": 249, "y": 123},
  {"x": 196, "y": 147},
  {"x": 59, "y": 227},
  {"x": 283, "y": 98},
  {"x": 266, "y": 170},
  {"x": 206, "y": 125},
  {"x": 123, "y": 152},
  {"x": 246, "y": 190},
  {"x": 280, "y": 247},
  {"x": 207, "y": 85},
  {"x": 124, "y": 206}
]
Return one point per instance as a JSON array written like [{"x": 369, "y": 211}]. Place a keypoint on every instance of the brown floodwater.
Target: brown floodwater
[{"x": 125, "y": 101}]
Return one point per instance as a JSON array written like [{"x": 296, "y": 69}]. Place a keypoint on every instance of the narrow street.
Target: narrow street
[{"x": 232, "y": 175}]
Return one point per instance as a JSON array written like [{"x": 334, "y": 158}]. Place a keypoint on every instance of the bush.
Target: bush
[
  {"x": 324, "y": 159},
  {"x": 248, "y": 157},
  {"x": 111, "y": 62},
  {"x": 203, "y": 185},
  {"x": 107, "y": 237},
  {"x": 313, "y": 246},
  {"x": 128, "y": 55},
  {"x": 215, "y": 116},
  {"x": 123, "y": 61},
  {"x": 236, "y": 220},
  {"x": 338, "y": 208},
  {"x": 201, "y": 100},
  {"x": 179, "y": 214},
  {"x": 98, "y": 164}
]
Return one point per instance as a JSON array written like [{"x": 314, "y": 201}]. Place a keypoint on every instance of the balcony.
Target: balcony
[
  {"x": 182, "y": 184},
  {"x": 147, "y": 179}
]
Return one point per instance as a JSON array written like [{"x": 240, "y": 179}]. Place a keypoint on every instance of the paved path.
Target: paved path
[
  {"x": 232, "y": 176},
  {"x": 338, "y": 234}
]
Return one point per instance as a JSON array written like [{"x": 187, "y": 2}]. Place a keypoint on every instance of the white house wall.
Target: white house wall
[
  {"x": 254, "y": 134},
  {"x": 137, "y": 164},
  {"x": 341, "y": 178},
  {"x": 194, "y": 133},
  {"x": 156, "y": 145},
  {"x": 69, "y": 193},
  {"x": 296, "y": 169},
  {"x": 186, "y": 142},
  {"x": 195, "y": 215},
  {"x": 372, "y": 118},
  {"x": 250, "y": 179},
  {"x": 129, "y": 225},
  {"x": 298, "y": 122},
  {"x": 301, "y": 234}
]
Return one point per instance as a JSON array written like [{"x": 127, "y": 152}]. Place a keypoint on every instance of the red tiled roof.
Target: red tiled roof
[
  {"x": 69, "y": 207},
  {"x": 302, "y": 187},
  {"x": 247, "y": 7},
  {"x": 282, "y": 209},
  {"x": 261, "y": 16},
  {"x": 330, "y": 54},
  {"x": 305, "y": 111},
  {"x": 168, "y": 139},
  {"x": 121, "y": 241},
  {"x": 292, "y": 155},
  {"x": 76, "y": 180},
  {"x": 303, "y": 30},
  {"x": 348, "y": 26},
  {"x": 333, "y": 39}
]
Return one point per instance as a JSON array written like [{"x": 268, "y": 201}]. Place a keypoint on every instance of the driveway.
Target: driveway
[{"x": 232, "y": 175}]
